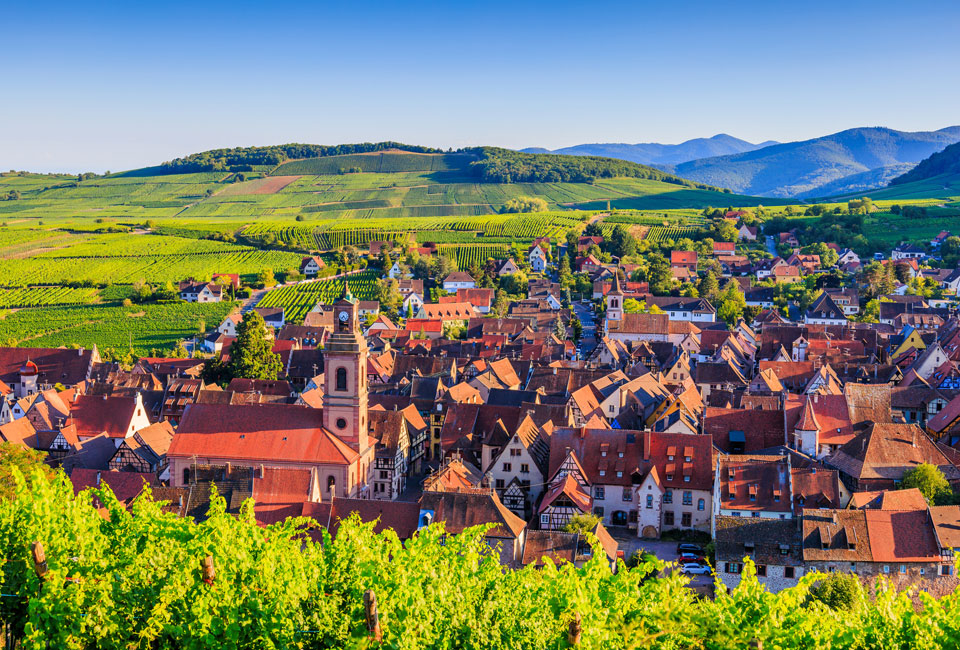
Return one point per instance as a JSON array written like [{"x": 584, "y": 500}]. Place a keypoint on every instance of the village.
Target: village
[{"x": 705, "y": 427}]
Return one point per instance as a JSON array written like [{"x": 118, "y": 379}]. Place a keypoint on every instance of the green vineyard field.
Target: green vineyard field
[{"x": 298, "y": 299}]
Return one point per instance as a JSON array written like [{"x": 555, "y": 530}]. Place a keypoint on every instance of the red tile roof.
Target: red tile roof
[
  {"x": 94, "y": 414},
  {"x": 258, "y": 433},
  {"x": 282, "y": 485},
  {"x": 126, "y": 486},
  {"x": 761, "y": 429}
]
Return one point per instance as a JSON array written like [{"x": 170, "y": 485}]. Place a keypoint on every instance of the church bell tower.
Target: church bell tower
[{"x": 345, "y": 376}]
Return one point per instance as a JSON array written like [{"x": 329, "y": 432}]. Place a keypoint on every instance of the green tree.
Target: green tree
[
  {"x": 930, "y": 481},
  {"x": 26, "y": 461},
  {"x": 838, "y": 591},
  {"x": 142, "y": 291},
  {"x": 167, "y": 292},
  {"x": 559, "y": 329},
  {"x": 251, "y": 355},
  {"x": 870, "y": 312},
  {"x": 732, "y": 304},
  {"x": 525, "y": 204},
  {"x": 950, "y": 251},
  {"x": 709, "y": 287},
  {"x": 658, "y": 274},
  {"x": 585, "y": 523},
  {"x": 265, "y": 278},
  {"x": 387, "y": 291},
  {"x": 622, "y": 243}
]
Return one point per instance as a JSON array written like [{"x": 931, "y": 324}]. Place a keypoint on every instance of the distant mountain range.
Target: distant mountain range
[
  {"x": 652, "y": 153},
  {"x": 942, "y": 162},
  {"x": 849, "y": 161}
]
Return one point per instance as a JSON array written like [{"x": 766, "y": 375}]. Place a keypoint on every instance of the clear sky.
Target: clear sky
[{"x": 90, "y": 86}]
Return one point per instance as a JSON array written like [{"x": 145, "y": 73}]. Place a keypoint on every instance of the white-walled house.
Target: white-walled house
[{"x": 537, "y": 258}]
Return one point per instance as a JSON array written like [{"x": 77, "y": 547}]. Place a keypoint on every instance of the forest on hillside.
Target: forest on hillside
[
  {"x": 942, "y": 162},
  {"x": 496, "y": 165}
]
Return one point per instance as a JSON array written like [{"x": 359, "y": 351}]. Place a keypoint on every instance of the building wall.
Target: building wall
[
  {"x": 649, "y": 518},
  {"x": 774, "y": 581},
  {"x": 699, "y": 519}
]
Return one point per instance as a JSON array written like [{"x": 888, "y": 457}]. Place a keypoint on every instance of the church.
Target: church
[{"x": 332, "y": 442}]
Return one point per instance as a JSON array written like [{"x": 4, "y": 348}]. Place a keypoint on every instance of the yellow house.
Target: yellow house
[{"x": 913, "y": 340}]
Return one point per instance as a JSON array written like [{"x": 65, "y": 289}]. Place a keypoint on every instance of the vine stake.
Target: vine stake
[
  {"x": 373, "y": 616},
  {"x": 209, "y": 572},
  {"x": 574, "y": 631},
  {"x": 39, "y": 559}
]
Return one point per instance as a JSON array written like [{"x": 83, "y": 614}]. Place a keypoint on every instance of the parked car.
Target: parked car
[
  {"x": 695, "y": 568},
  {"x": 691, "y": 557},
  {"x": 689, "y": 548}
]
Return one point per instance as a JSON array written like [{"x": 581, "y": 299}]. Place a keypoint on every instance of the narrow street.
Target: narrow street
[{"x": 588, "y": 340}]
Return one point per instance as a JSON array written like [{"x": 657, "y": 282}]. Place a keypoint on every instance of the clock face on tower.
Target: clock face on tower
[{"x": 344, "y": 316}]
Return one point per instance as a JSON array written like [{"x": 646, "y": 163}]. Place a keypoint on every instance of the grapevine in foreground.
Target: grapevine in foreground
[{"x": 148, "y": 579}]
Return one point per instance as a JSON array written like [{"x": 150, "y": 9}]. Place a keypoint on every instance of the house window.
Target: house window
[
  {"x": 788, "y": 572},
  {"x": 903, "y": 568},
  {"x": 686, "y": 478},
  {"x": 598, "y": 511},
  {"x": 755, "y": 515},
  {"x": 603, "y": 472},
  {"x": 507, "y": 467},
  {"x": 668, "y": 496},
  {"x": 514, "y": 452},
  {"x": 946, "y": 570},
  {"x": 628, "y": 494},
  {"x": 331, "y": 485},
  {"x": 650, "y": 501},
  {"x": 524, "y": 468},
  {"x": 687, "y": 498},
  {"x": 733, "y": 567},
  {"x": 853, "y": 567},
  {"x": 342, "y": 379},
  {"x": 499, "y": 484},
  {"x": 668, "y": 518},
  {"x": 598, "y": 492},
  {"x": 686, "y": 519},
  {"x": 700, "y": 504},
  {"x": 544, "y": 519},
  {"x": 886, "y": 568},
  {"x": 761, "y": 570}
]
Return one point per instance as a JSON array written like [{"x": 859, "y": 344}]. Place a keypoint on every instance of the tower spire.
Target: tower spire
[{"x": 615, "y": 289}]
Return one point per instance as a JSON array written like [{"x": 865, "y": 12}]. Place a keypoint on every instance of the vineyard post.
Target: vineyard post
[
  {"x": 209, "y": 572},
  {"x": 39, "y": 559},
  {"x": 373, "y": 616},
  {"x": 574, "y": 630}
]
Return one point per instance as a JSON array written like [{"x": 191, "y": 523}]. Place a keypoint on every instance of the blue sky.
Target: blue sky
[{"x": 95, "y": 86}]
